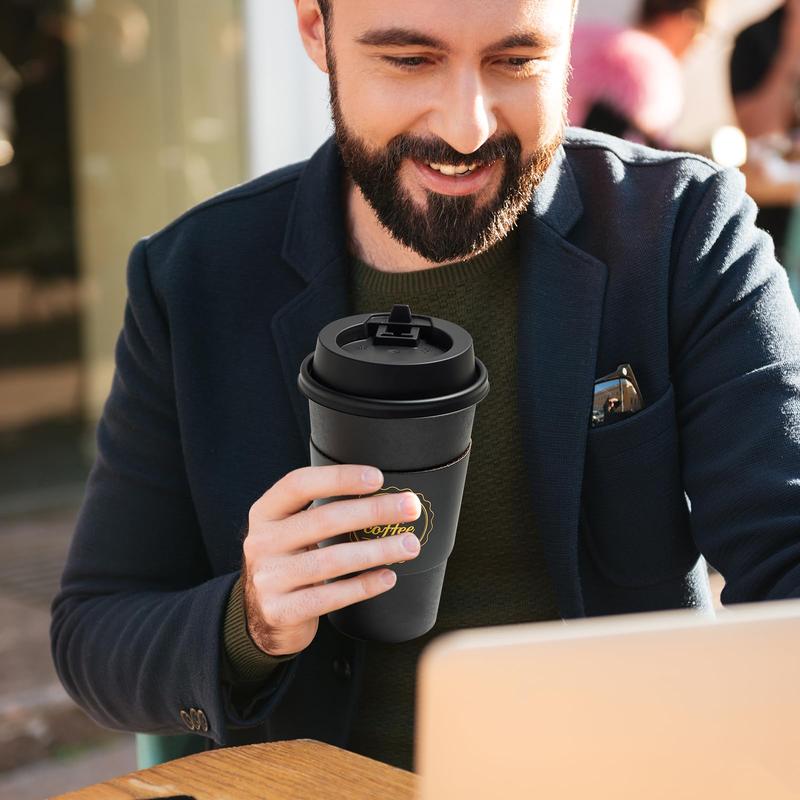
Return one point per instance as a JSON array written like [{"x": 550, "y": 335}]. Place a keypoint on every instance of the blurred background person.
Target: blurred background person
[
  {"x": 765, "y": 73},
  {"x": 765, "y": 84},
  {"x": 627, "y": 81}
]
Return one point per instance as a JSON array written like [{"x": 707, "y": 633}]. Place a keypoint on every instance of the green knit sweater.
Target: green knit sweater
[{"x": 496, "y": 574}]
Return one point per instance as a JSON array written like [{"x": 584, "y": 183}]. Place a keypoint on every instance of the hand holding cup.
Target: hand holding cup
[{"x": 285, "y": 571}]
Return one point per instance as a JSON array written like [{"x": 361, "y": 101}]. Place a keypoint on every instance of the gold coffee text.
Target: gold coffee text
[{"x": 388, "y": 530}]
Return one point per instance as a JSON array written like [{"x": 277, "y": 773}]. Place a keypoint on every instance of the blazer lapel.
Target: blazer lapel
[
  {"x": 560, "y": 309},
  {"x": 315, "y": 246}
]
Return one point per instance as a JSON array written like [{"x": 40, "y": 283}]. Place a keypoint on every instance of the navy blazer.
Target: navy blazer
[{"x": 628, "y": 255}]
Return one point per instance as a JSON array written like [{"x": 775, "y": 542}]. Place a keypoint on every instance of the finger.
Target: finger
[
  {"x": 304, "y": 604},
  {"x": 295, "y": 490},
  {"x": 342, "y": 516},
  {"x": 326, "y": 563}
]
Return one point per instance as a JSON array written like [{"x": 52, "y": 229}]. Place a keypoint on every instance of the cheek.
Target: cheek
[
  {"x": 536, "y": 116},
  {"x": 376, "y": 109}
]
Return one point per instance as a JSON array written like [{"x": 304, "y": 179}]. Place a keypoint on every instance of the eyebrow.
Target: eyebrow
[
  {"x": 407, "y": 37},
  {"x": 400, "y": 37},
  {"x": 527, "y": 39}
]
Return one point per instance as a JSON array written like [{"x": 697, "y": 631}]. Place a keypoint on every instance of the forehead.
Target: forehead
[{"x": 463, "y": 23}]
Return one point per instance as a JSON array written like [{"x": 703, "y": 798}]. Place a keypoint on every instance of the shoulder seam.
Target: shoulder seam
[{"x": 585, "y": 144}]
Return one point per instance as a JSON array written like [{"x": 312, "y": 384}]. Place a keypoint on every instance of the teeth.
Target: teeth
[{"x": 451, "y": 169}]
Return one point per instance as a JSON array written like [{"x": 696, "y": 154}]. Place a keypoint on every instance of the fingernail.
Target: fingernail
[
  {"x": 411, "y": 543},
  {"x": 410, "y": 505},
  {"x": 372, "y": 477},
  {"x": 388, "y": 577}
]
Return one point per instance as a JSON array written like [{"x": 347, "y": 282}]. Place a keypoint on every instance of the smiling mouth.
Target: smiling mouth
[{"x": 456, "y": 170}]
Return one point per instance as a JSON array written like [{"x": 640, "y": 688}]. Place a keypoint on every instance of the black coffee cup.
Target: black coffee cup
[{"x": 397, "y": 391}]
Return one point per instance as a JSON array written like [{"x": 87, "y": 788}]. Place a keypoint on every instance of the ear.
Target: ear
[{"x": 312, "y": 31}]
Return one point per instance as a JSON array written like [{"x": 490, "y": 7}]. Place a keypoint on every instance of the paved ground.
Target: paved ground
[
  {"x": 66, "y": 773},
  {"x": 45, "y": 739},
  {"x": 32, "y": 553}
]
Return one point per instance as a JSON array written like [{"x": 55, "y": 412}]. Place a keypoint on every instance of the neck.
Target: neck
[{"x": 372, "y": 243}]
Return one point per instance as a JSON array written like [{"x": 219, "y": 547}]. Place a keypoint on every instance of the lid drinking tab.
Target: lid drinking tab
[
  {"x": 398, "y": 357},
  {"x": 399, "y": 329}
]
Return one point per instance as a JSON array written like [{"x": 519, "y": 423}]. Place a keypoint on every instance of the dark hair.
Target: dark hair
[{"x": 651, "y": 10}]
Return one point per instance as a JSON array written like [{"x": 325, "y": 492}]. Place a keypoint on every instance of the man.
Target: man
[
  {"x": 628, "y": 81},
  {"x": 765, "y": 83},
  {"x": 449, "y": 186}
]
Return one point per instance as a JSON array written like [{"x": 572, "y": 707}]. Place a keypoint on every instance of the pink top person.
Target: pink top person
[{"x": 630, "y": 71}]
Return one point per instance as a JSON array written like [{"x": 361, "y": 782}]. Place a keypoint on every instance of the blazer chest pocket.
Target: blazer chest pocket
[{"x": 635, "y": 517}]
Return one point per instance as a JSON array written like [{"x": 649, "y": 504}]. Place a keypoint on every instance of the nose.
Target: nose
[{"x": 463, "y": 117}]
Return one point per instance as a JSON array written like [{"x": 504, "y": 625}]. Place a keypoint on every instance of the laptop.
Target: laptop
[{"x": 677, "y": 704}]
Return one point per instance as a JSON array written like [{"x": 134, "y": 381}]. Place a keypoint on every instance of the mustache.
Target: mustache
[{"x": 437, "y": 151}]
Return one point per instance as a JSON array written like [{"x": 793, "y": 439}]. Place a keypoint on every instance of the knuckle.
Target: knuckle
[
  {"x": 270, "y": 570},
  {"x": 392, "y": 504},
  {"x": 262, "y": 507},
  {"x": 364, "y": 585},
  {"x": 335, "y": 516},
  {"x": 249, "y": 548},
  {"x": 348, "y": 478},
  {"x": 271, "y": 537},
  {"x": 308, "y": 565},
  {"x": 304, "y": 522},
  {"x": 339, "y": 560},
  {"x": 392, "y": 548},
  {"x": 261, "y": 580},
  {"x": 304, "y": 608},
  {"x": 293, "y": 524},
  {"x": 258, "y": 543},
  {"x": 343, "y": 478},
  {"x": 296, "y": 611},
  {"x": 298, "y": 480},
  {"x": 351, "y": 559},
  {"x": 270, "y": 575},
  {"x": 381, "y": 506},
  {"x": 254, "y": 514},
  {"x": 332, "y": 515},
  {"x": 365, "y": 555},
  {"x": 342, "y": 516},
  {"x": 316, "y": 516},
  {"x": 272, "y": 613},
  {"x": 279, "y": 614}
]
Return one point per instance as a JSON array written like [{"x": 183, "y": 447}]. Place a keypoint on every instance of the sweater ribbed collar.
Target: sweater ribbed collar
[{"x": 447, "y": 275}]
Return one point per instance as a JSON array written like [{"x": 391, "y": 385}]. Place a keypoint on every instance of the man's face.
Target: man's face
[{"x": 421, "y": 89}]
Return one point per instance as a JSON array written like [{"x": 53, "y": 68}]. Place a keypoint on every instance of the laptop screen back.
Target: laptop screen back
[{"x": 664, "y": 705}]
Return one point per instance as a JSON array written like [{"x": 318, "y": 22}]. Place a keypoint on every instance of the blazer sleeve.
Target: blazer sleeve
[
  {"x": 736, "y": 372},
  {"x": 137, "y": 627}
]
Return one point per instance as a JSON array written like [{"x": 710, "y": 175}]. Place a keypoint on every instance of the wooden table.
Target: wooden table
[{"x": 299, "y": 769}]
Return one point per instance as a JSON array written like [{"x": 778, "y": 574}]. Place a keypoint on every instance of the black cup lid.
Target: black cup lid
[{"x": 394, "y": 362}]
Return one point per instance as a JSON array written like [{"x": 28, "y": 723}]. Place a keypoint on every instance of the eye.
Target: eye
[
  {"x": 518, "y": 63},
  {"x": 406, "y": 62}
]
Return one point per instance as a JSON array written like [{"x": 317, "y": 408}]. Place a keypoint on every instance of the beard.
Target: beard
[{"x": 447, "y": 228}]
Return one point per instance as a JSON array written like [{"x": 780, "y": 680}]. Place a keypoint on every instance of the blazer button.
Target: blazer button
[
  {"x": 203, "y": 720},
  {"x": 186, "y": 719},
  {"x": 341, "y": 668}
]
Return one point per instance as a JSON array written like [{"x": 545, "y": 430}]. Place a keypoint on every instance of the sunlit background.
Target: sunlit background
[{"x": 115, "y": 117}]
